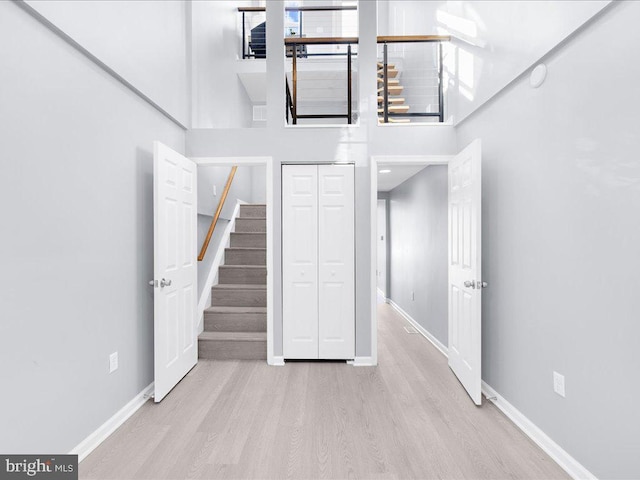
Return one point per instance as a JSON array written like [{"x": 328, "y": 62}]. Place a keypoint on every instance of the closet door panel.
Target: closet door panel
[
  {"x": 300, "y": 261},
  {"x": 336, "y": 262}
]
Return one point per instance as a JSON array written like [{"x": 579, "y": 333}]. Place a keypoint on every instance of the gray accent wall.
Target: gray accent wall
[
  {"x": 76, "y": 241},
  {"x": 417, "y": 239},
  {"x": 561, "y": 236}
]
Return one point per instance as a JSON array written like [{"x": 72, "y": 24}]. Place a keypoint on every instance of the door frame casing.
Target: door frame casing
[
  {"x": 376, "y": 162},
  {"x": 253, "y": 162}
]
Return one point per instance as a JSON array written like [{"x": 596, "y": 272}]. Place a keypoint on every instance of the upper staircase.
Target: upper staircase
[
  {"x": 395, "y": 102},
  {"x": 235, "y": 326}
]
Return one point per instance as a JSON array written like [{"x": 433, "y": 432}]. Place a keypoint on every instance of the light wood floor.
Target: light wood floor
[{"x": 407, "y": 418}]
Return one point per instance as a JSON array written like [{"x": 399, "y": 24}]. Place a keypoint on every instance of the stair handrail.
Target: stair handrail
[
  {"x": 413, "y": 38},
  {"x": 216, "y": 216}
]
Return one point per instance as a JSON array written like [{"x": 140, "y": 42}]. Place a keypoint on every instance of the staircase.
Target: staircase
[
  {"x": 235, "y": 326},
  {"x": 395, "y": 101}
]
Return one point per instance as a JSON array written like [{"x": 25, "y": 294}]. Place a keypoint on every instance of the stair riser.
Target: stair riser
[
  {"x": 235, "y": 322},
  {"x": 250, "y": 225},
  {"x": 253, "y": 211},
  {"x": 243, "y": 276},
  {"x": 232, "y": 350},
  {"x": 238, "y": 298},
  {"x": 245, "y": 257},
  {"x": 248, "y": 240}
]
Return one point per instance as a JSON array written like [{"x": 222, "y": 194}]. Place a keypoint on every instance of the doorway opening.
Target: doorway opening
[
  {"x": 411, "y": 243},
  {"x": 235, "y": 277},
  {"x": 426, "y": 253}
]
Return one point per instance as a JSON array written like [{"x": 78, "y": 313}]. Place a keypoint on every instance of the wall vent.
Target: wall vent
[{"x": 259, "y": 113}]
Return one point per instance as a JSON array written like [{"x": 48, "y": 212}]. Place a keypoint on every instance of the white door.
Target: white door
[
  {"x": 300, "y": 261},
  {"x": 381, "y": 243},
  {"x": 336, "y": 234},
  {"x": 465, "y": 268},
  {"x": 175, "y": 268}
]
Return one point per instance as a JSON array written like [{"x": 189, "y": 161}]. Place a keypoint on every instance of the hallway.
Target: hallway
[{"x": 407, "y": 418}]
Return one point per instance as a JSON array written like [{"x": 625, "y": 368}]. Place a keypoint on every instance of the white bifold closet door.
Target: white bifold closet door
[{"x": 318, "y": 261}]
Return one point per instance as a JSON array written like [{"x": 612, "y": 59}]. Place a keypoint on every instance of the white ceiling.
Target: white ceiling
[{"x": 397, "y": 175}]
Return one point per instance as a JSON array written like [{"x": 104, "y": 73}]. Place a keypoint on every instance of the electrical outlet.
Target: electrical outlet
[
  {"x": 413, "y": 295},
  {"x": 558, "y": 384},
  {"x": 113, "y": 362}
]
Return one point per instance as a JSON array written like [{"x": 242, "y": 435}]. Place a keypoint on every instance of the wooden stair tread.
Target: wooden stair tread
[
  {"x": 235, "y": 310},
  {"x": 240, "y": 286},
  {"x": 392, "y": 82},
  {"x": 389, "y": 65},
  {"x": 393, "y": 89},
  {"x": 392, "y": 99},
  {"x": 246, "y": 249},
  {"x": 395, "y": 109},
  {"x": 391, "y": 73},
  {"x": 233, "y": 336}
]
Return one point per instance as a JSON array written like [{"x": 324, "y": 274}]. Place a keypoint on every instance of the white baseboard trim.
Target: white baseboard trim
[
  {"x": 84, "y": 448},
  {"x": 424, "y": 332},
  {"x": 551, "y": 448},
  {"x": 382, "y": 295},
  {"x": 363, "y": 362},
  {"x": 277, "y": 361}
]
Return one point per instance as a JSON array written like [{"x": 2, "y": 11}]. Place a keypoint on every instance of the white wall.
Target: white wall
[
  {"x": 561, "y": 196},
  {"x": 494, "y": 42},
  {"x": 259, "y": 184},
  {"x": 143, "y": 41},
  {"x": 219, "y": 98},
  {"x": 408, "y": 17},
  {"x": 77, "y": 215},
  {"x": 241, "y": 188}
]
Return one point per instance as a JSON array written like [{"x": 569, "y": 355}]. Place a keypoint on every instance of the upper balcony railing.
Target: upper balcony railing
[
  {"x": 334, "y": 77},
  {"x": 410, "y": 78},
  {"x": 302, "y": 22},
  {"x": 410, "y": 74}
]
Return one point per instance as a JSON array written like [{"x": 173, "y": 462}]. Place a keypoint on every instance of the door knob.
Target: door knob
[
  {"x": 165, "y": 283},
  {"x": 470, "y": 283}
]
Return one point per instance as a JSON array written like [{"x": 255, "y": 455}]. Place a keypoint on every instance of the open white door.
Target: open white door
[
  {"x": 175, "y": 268},
  {"x": 465, "y": 268}
]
